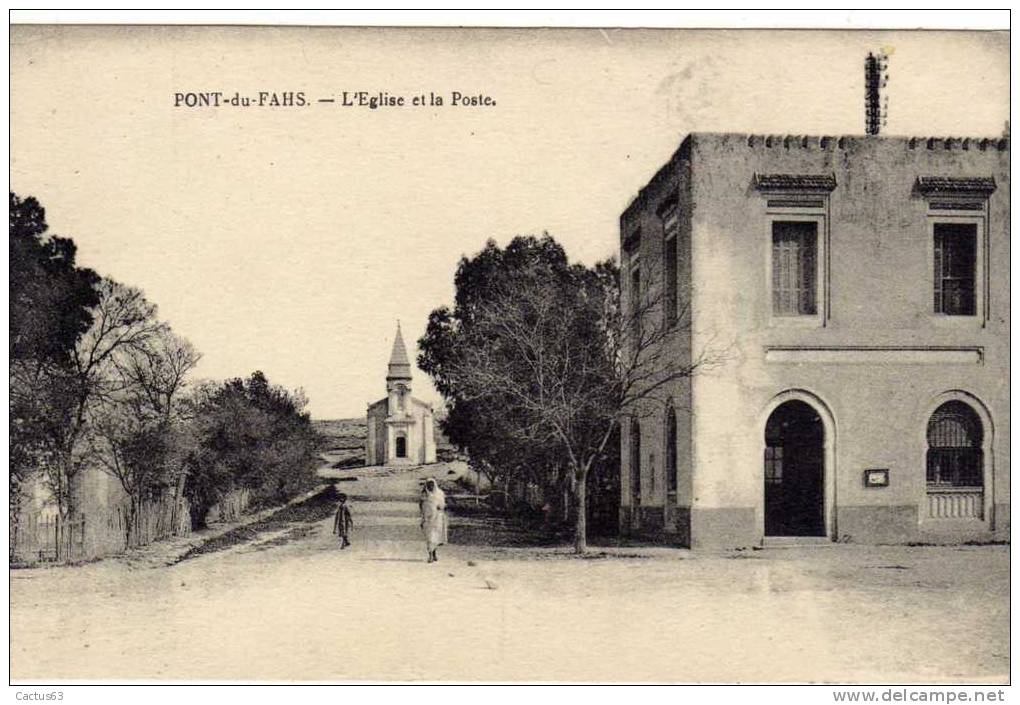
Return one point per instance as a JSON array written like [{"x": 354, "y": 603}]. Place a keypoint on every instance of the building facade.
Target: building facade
[
  {"x": 401, "y": 429},
  {"x": 853, "y": 295}
]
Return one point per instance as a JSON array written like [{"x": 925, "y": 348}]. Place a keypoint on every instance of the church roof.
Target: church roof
[
  {"x": 400, "y": 366},
  {"x": 383, "y": 404}
]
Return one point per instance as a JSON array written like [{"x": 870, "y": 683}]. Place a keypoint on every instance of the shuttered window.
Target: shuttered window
[
  {"x": 794, "y": 268},
  {"x": 671, "y": 283},
  {"x": 955, "y": 268},
  {"x": 670, "y": 228},
  {"x": 636, "y": 304}
]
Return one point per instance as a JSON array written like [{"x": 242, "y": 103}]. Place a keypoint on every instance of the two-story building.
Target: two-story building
[{"x": 854, "y": 294}]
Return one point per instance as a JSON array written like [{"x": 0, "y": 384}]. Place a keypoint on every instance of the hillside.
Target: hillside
[{"x": 343, "y": 443}]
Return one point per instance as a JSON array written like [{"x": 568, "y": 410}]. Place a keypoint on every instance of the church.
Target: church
[{"x": 400, "y": 427}]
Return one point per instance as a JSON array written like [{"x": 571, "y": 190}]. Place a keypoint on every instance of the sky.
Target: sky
[{"x": 292, "y": 239}]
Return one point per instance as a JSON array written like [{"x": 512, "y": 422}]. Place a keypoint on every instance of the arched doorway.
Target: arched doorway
[
  {"x": 401, "y": 446},
  {"x": 794, "y": 471}
]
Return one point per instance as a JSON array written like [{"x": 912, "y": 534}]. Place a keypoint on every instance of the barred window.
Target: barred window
[
  {"x": 954, "y": 447},
  {"x": 794, "y": 270},
  {"x": 955, "y": 268}
]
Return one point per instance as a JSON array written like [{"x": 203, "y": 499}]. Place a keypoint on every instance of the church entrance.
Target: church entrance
[
  {"x": 401, "y": 447},
  {"x": 794, "y": 471}
]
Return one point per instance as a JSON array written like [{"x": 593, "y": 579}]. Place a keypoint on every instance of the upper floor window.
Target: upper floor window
[
  {"x": 794, "y": 268},
  {"x": 632, "y": 303},
  {"x": 797, "y": 210},
  {"x": 955, "y": 270},
  {"x": 957, "y": 245},
  {"x": 670, "y": 228},
  {"x": 635, "y": 301}
]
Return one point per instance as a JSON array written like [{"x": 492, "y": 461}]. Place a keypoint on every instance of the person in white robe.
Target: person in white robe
[{"x": 433, "y": 518}]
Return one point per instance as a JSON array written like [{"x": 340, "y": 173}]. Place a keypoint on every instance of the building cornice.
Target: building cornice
[
  {"x": 795, "y": 182},
  {"x": 963, "y": 185}
]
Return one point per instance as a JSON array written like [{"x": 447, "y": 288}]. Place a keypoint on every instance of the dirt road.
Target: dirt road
[{"x": 291, "y": 606}]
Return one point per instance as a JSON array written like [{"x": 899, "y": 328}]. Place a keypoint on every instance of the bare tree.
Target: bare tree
[
  {"x": 135, "y": 427},
  {"x": 158, "y": 370},
  {"x": 123, "y": 322},
  {"x": 563, "y": 362},
  {"x": 129, "y": 443}
]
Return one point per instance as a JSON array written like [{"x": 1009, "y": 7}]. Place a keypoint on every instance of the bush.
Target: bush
[{"x": 249, "y": 433}]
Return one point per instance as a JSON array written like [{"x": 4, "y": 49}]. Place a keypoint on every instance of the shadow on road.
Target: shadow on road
[
  {"x": 393, "y": 560},
  {"x": 287, "y": 522},
  {"x": 387, "y": 512}
]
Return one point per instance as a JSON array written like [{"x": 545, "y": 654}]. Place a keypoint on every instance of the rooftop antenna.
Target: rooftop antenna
[{"x": 876, "y": 77}]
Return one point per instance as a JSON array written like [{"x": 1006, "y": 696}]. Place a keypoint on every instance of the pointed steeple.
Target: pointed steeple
[{"x": 400, "y": 367}]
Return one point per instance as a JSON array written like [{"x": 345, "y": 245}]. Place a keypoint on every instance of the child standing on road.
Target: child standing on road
[{"x": 343, "y": 522}]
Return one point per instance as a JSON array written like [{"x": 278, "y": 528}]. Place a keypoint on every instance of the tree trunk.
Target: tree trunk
[
  {"x": 178, "y": 504},
  {"x": 581, "y": 507},
  {"x": 63, "y": 492},
  {"x": 129, "y": 524},
  {"x": 506, "y": 495}
]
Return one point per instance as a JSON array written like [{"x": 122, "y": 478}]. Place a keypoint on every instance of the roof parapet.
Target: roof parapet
[
  {"x": 984, "y": 144},
  {"x": 825, "y": 143},
  {"x": 829, "y": 142}
]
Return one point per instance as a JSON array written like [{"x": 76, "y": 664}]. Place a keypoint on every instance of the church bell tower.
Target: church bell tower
[
  {"x": 398, "y": 376},
  {"x": 400, "y": 428}
]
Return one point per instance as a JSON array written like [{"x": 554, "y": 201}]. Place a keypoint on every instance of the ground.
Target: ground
[{"x": 284, "y": 603}]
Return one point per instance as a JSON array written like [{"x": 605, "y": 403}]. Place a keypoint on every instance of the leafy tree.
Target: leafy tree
[
  {"x": 249, "y": 433},
  {"x": 41, "y": 397},
  {"x": 50, "y": 297},
  {"x": 49, "y": 310},
  {"x": 97, "y": 381}
]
